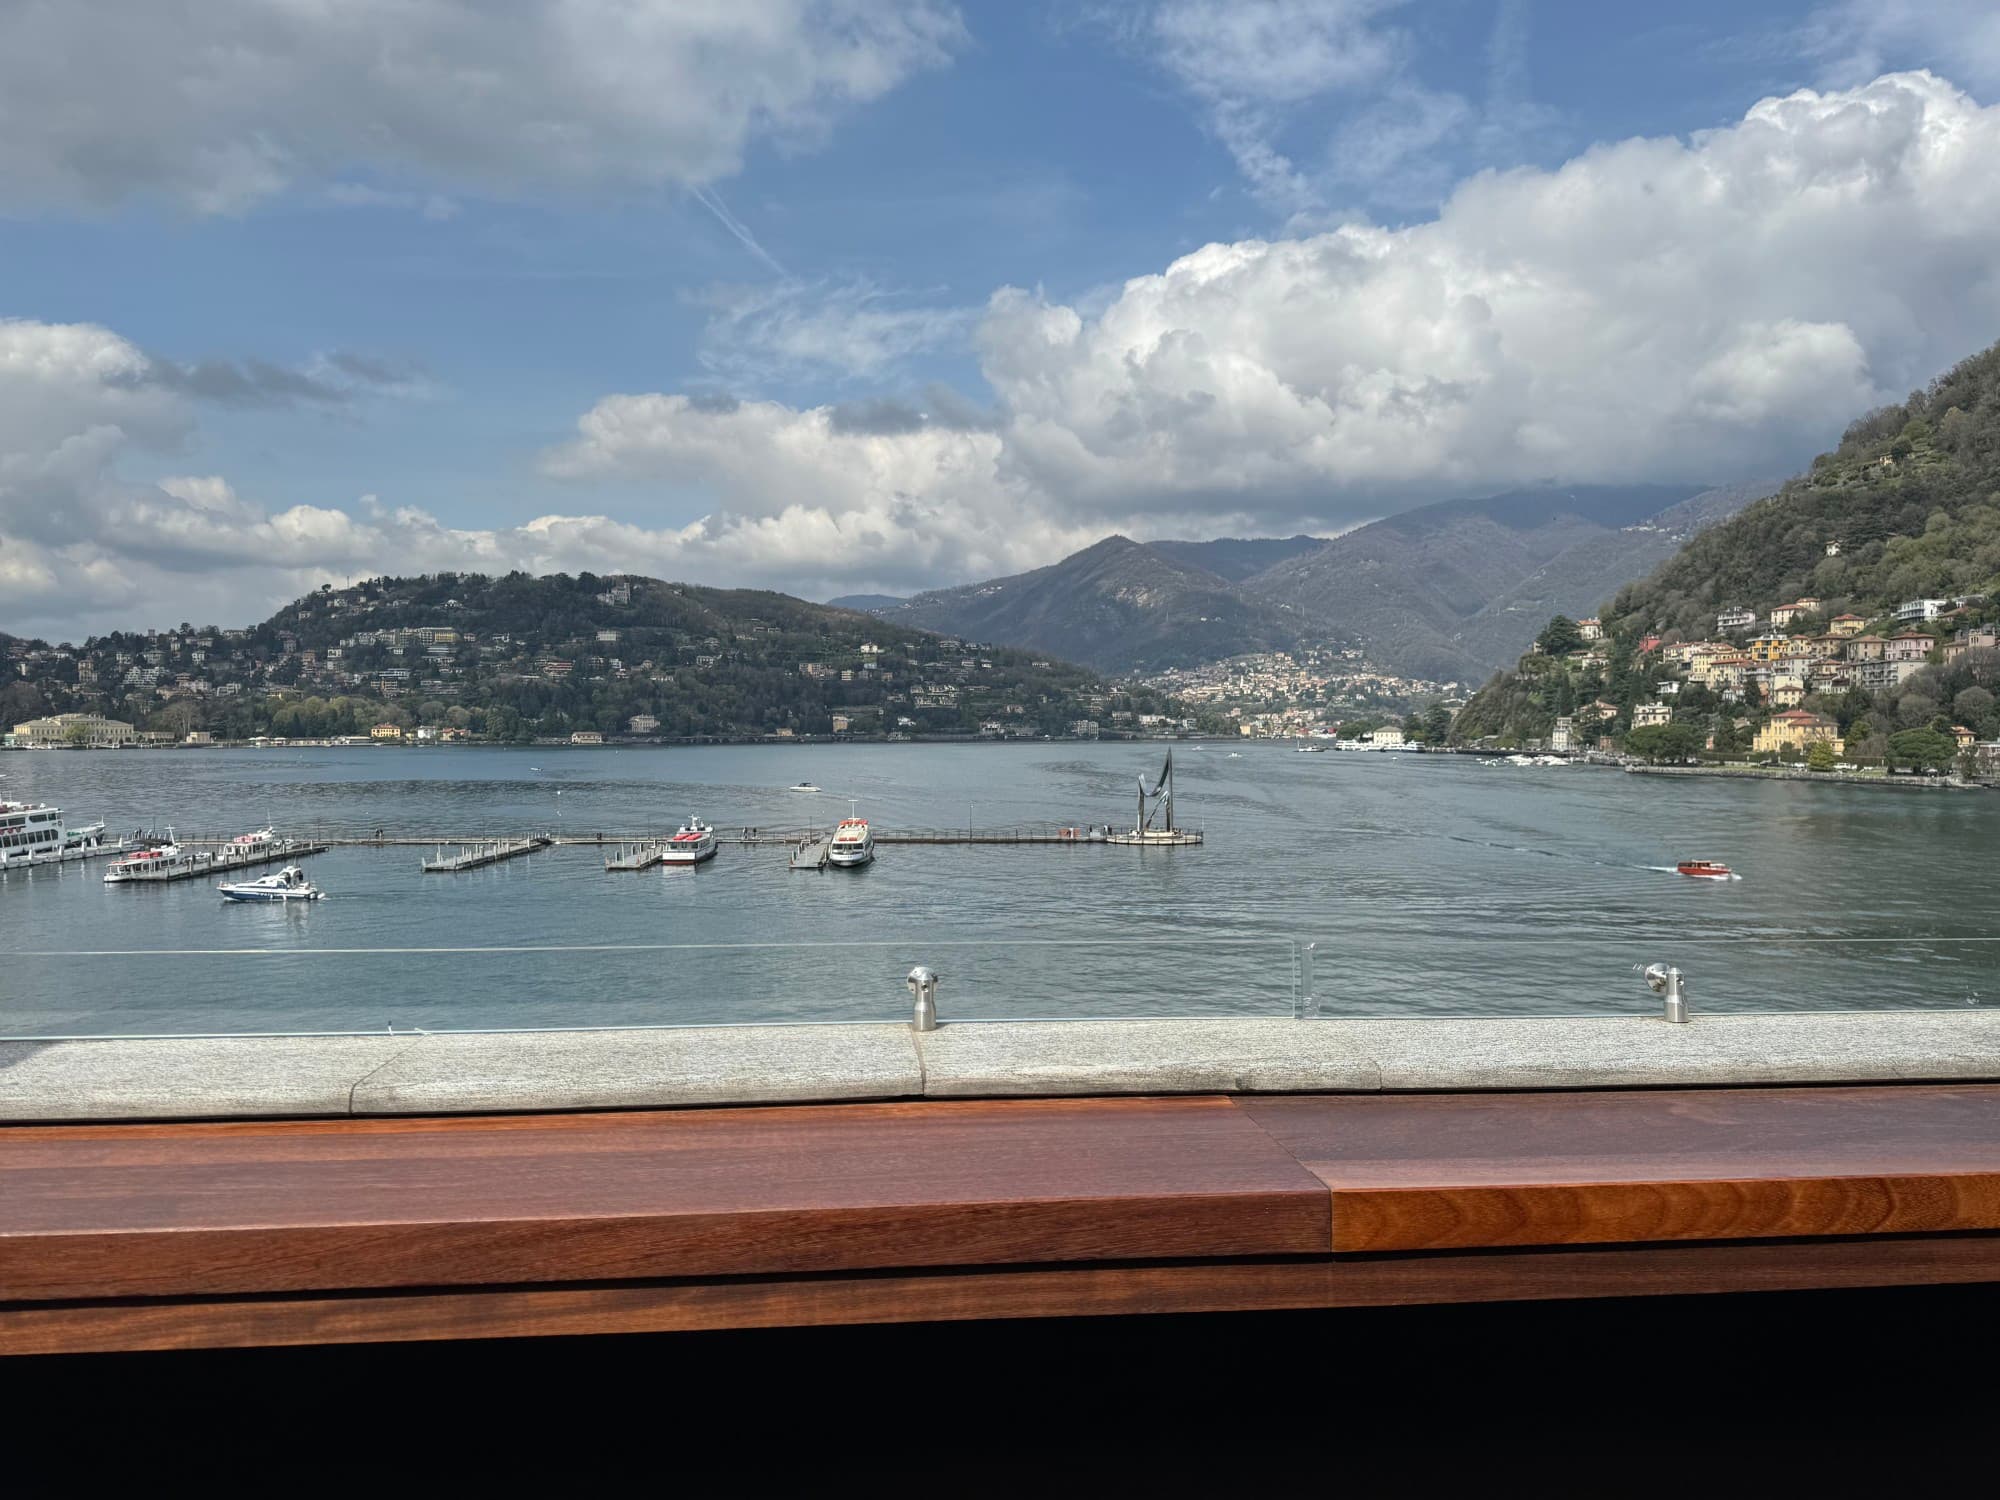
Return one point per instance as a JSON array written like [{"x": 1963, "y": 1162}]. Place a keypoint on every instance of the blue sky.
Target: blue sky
[{"x": 397, "y": 284}]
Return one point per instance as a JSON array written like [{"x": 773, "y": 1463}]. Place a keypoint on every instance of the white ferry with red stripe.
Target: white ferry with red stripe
[
  {"x": 693, "y": 844},
  {"x": 852, "y": 845}
]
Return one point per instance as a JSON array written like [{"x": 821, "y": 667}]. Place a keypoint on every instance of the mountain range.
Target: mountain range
[
  {"x": 1118, "y": 605},
  {"x": 1448, "y": 592}
]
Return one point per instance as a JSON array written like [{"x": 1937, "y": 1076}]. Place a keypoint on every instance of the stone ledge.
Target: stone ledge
[
  {"x": 660, "y": 1069},
  {"x": 463, "y": 1073},
  {"x": 184, "y": 1078}
]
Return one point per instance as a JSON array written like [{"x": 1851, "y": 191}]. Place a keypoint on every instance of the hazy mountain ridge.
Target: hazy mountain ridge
[
  {"x": 1236, "y": 558},
  {"x": 1451, "y": 591},
  {"x": 1443, "y": 591},
  {"x": 1119, "y": 605}
]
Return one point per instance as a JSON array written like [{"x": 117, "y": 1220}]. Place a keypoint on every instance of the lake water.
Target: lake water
[{"x": 1430, "y": 884}]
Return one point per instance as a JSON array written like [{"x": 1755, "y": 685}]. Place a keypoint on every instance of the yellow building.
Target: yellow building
[
  {"x": 1797, "y": 729},
  {"x": 386, "y": 732},
  {"x": 85, "y": 731},
  {"x": 1847, "y": 624}
]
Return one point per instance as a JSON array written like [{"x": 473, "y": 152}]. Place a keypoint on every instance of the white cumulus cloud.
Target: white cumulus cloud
[
  {"x": 215, "y": 104},
  {"x": 1653, "y": 309}
]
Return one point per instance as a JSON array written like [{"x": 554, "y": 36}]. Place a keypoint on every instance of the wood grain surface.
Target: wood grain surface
[
  {"x": 1021, "y": 1292},
  {"x": 160, "y": 1236},
  {"x": 1431, "y": 1172},
  {"x": 176, "y": 1211}
]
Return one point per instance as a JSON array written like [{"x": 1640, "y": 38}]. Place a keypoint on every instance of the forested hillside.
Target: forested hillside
[
  {"x": 519, "y": 657},
  {"x": 1908, "y": 506},
  {"x": 1887, "y": 552}
]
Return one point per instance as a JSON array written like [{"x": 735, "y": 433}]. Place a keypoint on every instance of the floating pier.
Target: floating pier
[
  {"x": 815, "y": 852},
  {"x": 220, "y": 861},
  {"x": 1065, "y": 835},
  {"x": 636, "y": 856},
  {"x": 490, "y": 853}
]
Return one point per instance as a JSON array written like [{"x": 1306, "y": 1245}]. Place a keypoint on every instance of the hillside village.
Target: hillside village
[
  {"x": 1283, "y": 693},
  {"x": 584, "y": 661}
]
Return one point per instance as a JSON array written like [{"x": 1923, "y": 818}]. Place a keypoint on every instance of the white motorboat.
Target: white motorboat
[
  {"x": 802, "y": 786},
  {"x": 289, "y": 884},
  {"x": 248, "y": 843},
  {"x": 694, "y": 843},
  {"x": 853, "y": 844}
]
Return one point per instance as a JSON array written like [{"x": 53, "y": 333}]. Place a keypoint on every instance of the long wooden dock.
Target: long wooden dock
[
  {"x": 220, "y": 861},
  {"x": 1064, "y": 836},
  {"x": 490, "y": 853}
]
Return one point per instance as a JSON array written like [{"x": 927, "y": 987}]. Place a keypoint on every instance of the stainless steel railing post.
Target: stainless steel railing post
[{"x": 923, "y": 988}]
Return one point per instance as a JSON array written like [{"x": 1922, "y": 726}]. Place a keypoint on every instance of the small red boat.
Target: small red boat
[{"x": 1705, "y": 869}]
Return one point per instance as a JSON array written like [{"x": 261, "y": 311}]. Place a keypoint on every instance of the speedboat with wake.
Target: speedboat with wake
[
  {"x": 289, "y": 884},
  {"x": 1705, "y": 869}
]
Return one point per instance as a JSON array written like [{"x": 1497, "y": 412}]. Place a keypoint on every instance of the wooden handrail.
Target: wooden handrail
[{"x": 176, "y": 1235}]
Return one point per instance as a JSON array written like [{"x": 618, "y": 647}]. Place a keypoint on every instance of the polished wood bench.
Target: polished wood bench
[{"x": 228, "y": 1234}]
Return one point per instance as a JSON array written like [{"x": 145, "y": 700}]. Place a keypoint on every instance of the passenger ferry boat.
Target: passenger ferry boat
[
  {"x": 33, "y": 833},
  {"x": 853, "y": 844},
  {"x": 289, "y": 884},
  {"x": 693, "y": 844},
  {"x": 136, "y": 864}
]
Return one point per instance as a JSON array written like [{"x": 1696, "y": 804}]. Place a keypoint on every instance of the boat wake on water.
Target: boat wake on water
[{"x": 1583, "y": 859}]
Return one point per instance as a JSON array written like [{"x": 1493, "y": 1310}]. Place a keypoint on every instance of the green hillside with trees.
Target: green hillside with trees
[
  {"x": 518, "y": 658},
  {"x": 1908, "y": 506},
  {"x": 1905, "y": 510}
]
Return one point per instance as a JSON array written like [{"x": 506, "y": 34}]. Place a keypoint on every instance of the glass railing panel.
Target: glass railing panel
[
  {"x": 1785, "y": 970},
  {"x": 276, "y": 979}
]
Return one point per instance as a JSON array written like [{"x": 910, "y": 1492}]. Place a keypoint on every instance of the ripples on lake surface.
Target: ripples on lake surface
[{"x": 1432, "y": 885}]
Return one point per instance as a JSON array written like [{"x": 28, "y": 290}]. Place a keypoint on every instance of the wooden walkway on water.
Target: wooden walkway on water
[
  {"x": 637, "y": 856},
  {"x": 1066, "y": 835},
  {"x": 480, "y": 854}
]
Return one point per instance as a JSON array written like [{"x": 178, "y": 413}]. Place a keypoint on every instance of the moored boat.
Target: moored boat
[
  {"x": 1705, "y": 869},
  {"x": 140, "y": 862},
  {"x": 802, "y": 786},
  {"x": 853, "y": 844},
  {"x": 31, "y": 833},
  {"x": 694, "y": 843},
  {"x": 289, "y": 884}
]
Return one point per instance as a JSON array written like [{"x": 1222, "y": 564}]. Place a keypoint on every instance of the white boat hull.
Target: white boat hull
[
  {"x": 672, "y": 856},
  {"x": 267, "y": 896}
]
